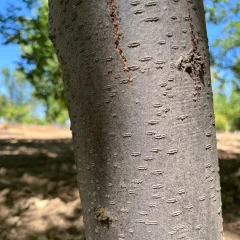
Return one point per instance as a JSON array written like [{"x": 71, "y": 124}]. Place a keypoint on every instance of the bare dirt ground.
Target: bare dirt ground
[{"x": 39, "y": 199}]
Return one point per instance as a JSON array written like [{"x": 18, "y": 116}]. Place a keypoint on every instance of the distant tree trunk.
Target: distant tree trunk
[{"x": 138, "y": 86}]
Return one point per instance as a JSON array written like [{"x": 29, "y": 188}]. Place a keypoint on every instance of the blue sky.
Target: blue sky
[{"x": 9, "y": 54}]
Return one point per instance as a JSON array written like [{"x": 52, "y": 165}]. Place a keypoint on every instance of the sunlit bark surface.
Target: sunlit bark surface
[{"x": 137, "y": 79}]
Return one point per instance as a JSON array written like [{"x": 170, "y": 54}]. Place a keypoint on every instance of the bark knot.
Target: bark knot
[
  {"x": 102, "y": 215},
  {"x": 193, "y": 64}
]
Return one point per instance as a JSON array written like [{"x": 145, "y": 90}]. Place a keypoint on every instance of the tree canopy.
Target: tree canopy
[
  {"x": 225, "y": 56},
  {"x": 18, "y": 105},
  {"x": 27, "y": 26}
]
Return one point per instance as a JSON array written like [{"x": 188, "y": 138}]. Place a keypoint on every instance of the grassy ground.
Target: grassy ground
[{"x": 39, "y": 199}]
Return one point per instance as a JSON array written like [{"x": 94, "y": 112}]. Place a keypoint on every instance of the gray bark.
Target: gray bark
[{"x": 137, "y": 79}]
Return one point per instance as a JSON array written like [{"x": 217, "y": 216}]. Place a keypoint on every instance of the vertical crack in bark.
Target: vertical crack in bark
[
  {"x": 193, "y": 62},
  {"x": 193, "y": 37},
  {"x": 117, "y": 37}
]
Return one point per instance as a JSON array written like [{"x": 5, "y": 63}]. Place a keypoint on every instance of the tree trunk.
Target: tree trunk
[{"x": 138, "y": 86}]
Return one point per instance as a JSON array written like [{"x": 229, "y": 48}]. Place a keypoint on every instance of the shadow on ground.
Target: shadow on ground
[
  {"x": 32, "y": 152},
  {"x": 230, "y": 189},
  {"x": 39, "y": 197},
  {"x": 39, "y": 203}
]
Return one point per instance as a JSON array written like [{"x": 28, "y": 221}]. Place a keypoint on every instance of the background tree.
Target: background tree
[
  {"x": 140, "y": 101},
  {"x": 226, "y": 62},
  {"x": 18, "y": 105},
  {"x": 28, "y": 29}
]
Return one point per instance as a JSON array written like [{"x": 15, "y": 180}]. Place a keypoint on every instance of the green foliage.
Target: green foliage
[
  {"x": 226, "y": 108},
  {"x": 234, "y": 111},
  {"x": 16, "y": 102},
  {"x": 216, "y": 10},
  {"x": 228, "y": 56},
  {"x": 38, "y": 60},
  {"x": 221, "y": 112},
  {"x": 225, "y": 51},
  {"x": 227, "y": 111},
  {"x": 225, "y": 56}
]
